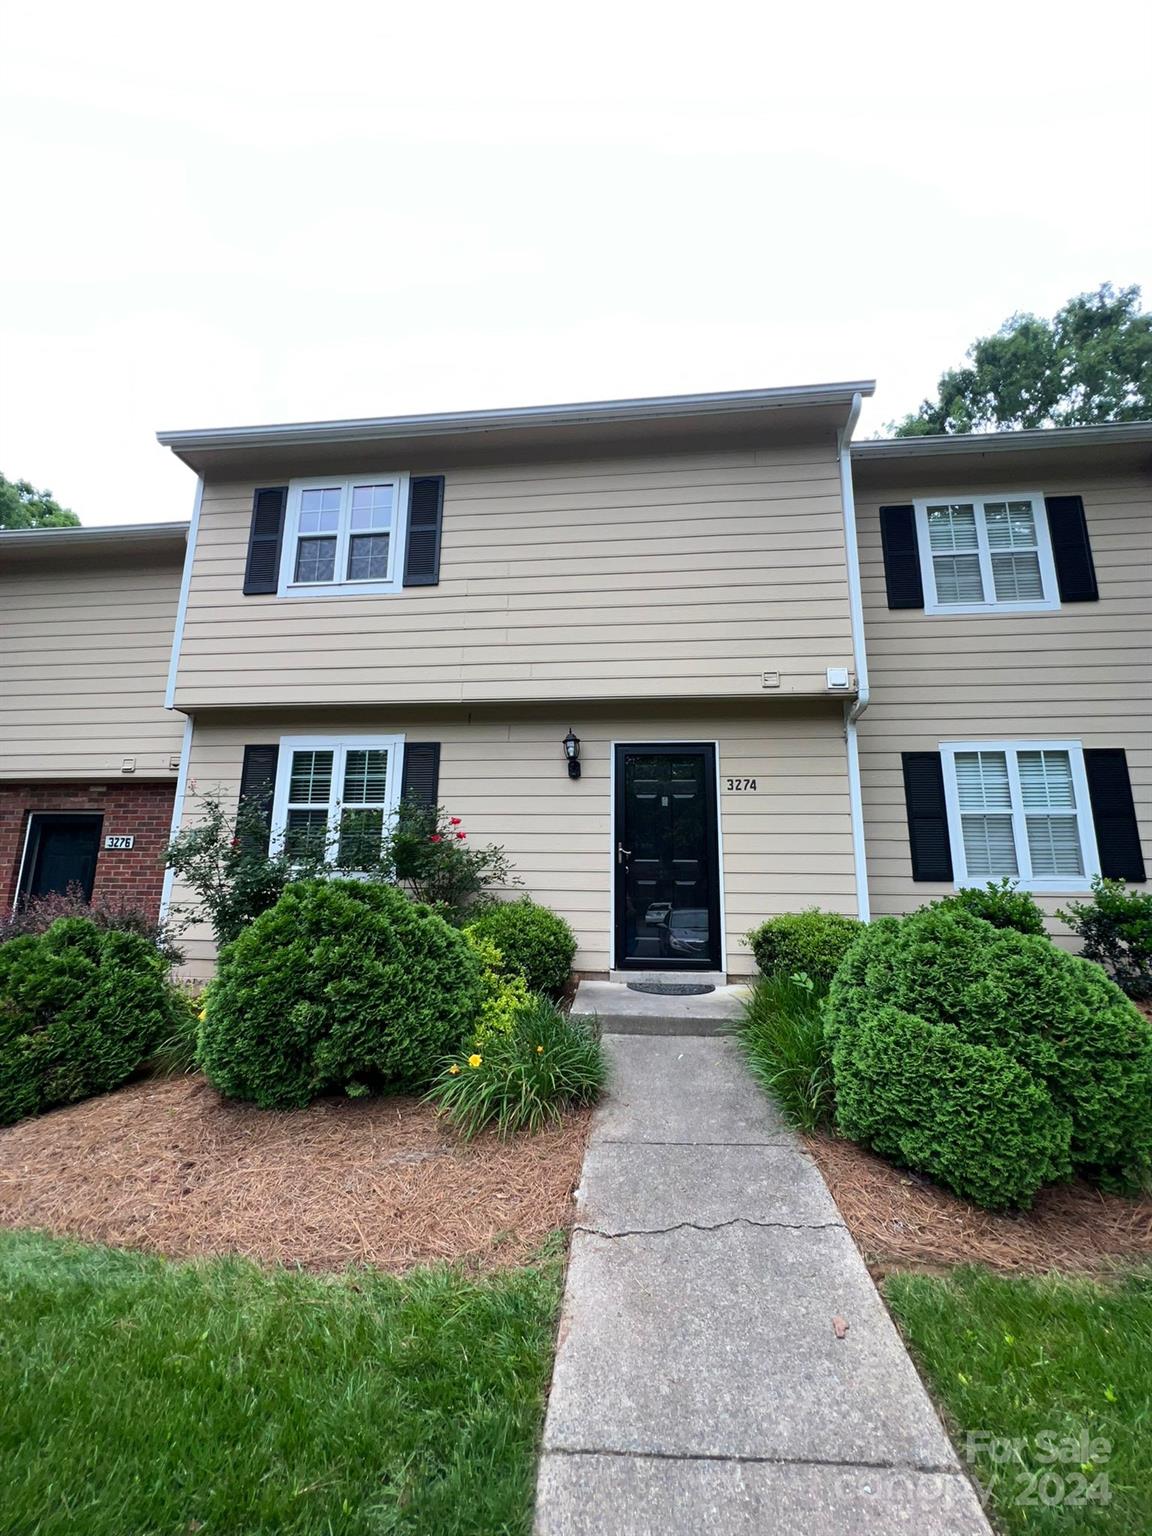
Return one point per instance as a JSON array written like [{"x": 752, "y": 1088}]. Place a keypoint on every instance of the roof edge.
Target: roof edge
[
  {"x": 643, "y": 408},
  {"x": 1027, "y": 439},
  {"x": 92, "y": 533}
]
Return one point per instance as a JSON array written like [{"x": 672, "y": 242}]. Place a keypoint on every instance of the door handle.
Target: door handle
[{"x": 622, "y": 854}]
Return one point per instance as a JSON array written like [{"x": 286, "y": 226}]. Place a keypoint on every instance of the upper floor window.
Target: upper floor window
[
  {"x": 334, "y": 797},
  {"x": 1021, "y": 810},
  {"x": 344, "y": 534},
  {"x": 984, "y": 553}
]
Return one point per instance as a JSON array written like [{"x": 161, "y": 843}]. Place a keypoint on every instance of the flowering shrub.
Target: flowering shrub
[
  {"x": 504, "y": 995},
  {"x": 523, "y": 1079},
  {"x": 428, "y": 852}
]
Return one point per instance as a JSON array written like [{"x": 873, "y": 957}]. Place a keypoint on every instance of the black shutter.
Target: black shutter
[
  {"x": 1071, "y": 551},
  {"x": 1113, "y": 811},
  {"x": 258, "y": 785},
  {"x": 927, "y": 816},
  {"x": 425, "y": 515},
  {"x": 262, "y": 570},
  {"x": 901, "y": 557},
  {"x": 420, "y": 783}
]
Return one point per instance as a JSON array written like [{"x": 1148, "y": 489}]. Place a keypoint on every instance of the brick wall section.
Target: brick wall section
[{"x": 143, "y": 809}]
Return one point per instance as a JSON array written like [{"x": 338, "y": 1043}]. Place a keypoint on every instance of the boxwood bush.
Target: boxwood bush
[
  {"x": 812, "y": 943},
  {"x": 535, "y": 942},
  {"x": 81, "y": 1007},
  {"x": 1056, "y": 1017},
  {"x": 1000, "y": 903},
  {"x": 342, "y": 985}
]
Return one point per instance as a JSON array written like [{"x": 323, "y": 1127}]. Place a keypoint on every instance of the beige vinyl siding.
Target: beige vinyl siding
[
  {"x": 786, "y": 847},
  {"x": 85, "y": 641},
  {"x": 687, "y": 575},
  {"x": 1082, "y": 673}
]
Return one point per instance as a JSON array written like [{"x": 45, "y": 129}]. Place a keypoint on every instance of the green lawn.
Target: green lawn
[
  {"x": 144, "y": 1398},
  {"x": 1044, "y": 1366}
]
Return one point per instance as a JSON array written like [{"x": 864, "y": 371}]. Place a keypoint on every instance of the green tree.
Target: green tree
[
  {"x": 23, "y": 506},
  {"x": 1091, "y": 363}
]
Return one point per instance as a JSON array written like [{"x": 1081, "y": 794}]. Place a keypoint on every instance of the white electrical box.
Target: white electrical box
[{"x": 837, "y": 677}]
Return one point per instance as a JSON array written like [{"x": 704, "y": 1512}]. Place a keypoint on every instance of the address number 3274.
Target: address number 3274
[{"x": 740, "y": 786}]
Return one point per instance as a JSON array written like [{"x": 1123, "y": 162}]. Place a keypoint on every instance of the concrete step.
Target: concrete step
[{"x": 619, "y": 1011}]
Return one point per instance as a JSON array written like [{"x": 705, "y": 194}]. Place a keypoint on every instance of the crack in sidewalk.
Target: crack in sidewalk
[
  {"x": 926, "y": 1467},
  {"x": 716, "y": 1226}
]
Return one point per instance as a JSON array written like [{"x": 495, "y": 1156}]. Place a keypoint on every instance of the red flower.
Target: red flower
[
  {"x": 435, "y": 838},
  {"x": 461, "y": 835},
  {"x": 453, "y": 821},
  {"x": 235, "y": 842}
]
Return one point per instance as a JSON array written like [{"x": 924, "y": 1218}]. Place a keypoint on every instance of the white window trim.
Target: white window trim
[
  {"x": 398, "y": 537},
  {"x": 1086, "y": 827},
  {"x": 1051, "y": 599},
  {"x": 339, "y": 746}
]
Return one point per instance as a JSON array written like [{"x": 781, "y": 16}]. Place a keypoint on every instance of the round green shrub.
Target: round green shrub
[
  {"x": 81, "y": 1007},
  {"x": 1055, "y": 1016},
  {"x": 340, "y": 984},
  {"x": 965, "y": 1114},
  {"x": 812, "y": 942},
  {"x": 535, "y": 943},
  {"x": 999, "y": 903}
]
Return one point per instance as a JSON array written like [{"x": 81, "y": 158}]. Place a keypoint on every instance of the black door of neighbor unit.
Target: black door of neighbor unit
[
  {"x": 667, "y": 900},
  {"x": 62, "y": 852}
]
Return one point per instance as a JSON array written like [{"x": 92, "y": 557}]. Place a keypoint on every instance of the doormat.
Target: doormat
[{"x": 669, "y": 988}]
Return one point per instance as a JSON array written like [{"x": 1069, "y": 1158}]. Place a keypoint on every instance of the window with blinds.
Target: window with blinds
[
  {"x": 986, "y": 552},
  {"x": 1019, "y": 811},
  {"x": 334, "y": 799}
]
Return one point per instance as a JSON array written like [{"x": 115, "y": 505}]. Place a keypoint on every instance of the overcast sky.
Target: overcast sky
[{"x": 223, "y": 214}]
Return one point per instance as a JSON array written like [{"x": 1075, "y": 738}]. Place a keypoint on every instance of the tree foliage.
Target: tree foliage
[
  {"x": 23, "y": 506},
  {"x": 1091, "y": 363}
]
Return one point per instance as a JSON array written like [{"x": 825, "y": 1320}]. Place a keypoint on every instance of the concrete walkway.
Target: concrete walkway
[{"x": 700, "y": 1383}]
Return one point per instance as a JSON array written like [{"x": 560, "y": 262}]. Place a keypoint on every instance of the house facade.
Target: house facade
[{"x": 693, "y": 661}]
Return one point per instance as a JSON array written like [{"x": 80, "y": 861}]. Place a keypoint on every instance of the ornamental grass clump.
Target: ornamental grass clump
[
  {"x": 341, "y": 986},
  {"x": 1033, "y": 1014},
  {"x": 524, "y": 1079},
  {"x": 781, "y": 1033}
]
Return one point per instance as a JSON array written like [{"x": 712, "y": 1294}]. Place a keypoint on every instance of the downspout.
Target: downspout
[
  {"x": 177, "y": 813},
  {"x": 860, "y": 703}
]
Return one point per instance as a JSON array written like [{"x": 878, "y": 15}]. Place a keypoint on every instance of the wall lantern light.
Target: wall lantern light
[{"x": 572, "y": 753}]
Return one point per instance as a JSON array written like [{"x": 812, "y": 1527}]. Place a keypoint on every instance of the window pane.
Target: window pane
[
  {"x": 311, "y": 779},
  {"x": 361, "y": 836},
  {"x": 371, "y": 507},
  {"x": 366, "y": 777},
  {"x": 306, "y": 834},
  {"x": 1054, "y": 843},
  {"x": 320, "y": 510},
  {"x": 1046, "y": 781},
  {"x": 989, "y": 847},
  {"x": 952, "y": 528},
  {"x": 368, "y": 557},
  {"x": 958, "y": 579},
  {"x": 1011, "y": 524},
  {"x": 1017, "y": 578},
  {"x": 315, "y": 559},
  {"x": 982, "y": 781}
]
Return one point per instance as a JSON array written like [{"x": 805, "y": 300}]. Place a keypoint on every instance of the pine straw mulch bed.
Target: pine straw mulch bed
[
  {"x": 168, "y": 1166},
  {"x": 902, "y": 1221}
]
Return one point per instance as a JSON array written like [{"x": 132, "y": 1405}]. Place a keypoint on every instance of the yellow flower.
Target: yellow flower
[
  {"x": 203, "y": 1014},
  {"x": 539, "y": 1050},
  {"x": 474, "y": 1061},
  {"x": 454, "y": 1070}
]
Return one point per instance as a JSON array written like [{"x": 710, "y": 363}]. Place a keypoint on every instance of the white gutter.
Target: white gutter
[
  {"x": 177, "y": 813},
  {"x": 373, "y": 429},
  {"x": 182, "y": 601},
  {"x": 933, "y": 445},
  {"x": 860, "y": 703},
  {"x": 91, "y": 533}
]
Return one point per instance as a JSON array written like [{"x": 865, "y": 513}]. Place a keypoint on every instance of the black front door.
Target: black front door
[
  {"x": 667, "y": 863},
  {"x": 62, "y": 852}
]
